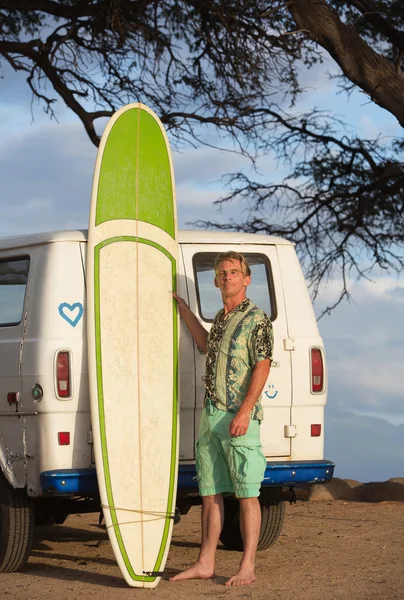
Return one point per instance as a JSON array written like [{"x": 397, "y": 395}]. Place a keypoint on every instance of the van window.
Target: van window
[
  {"x": 13, "y": 282},
  {"x": 260, "y": 290}
]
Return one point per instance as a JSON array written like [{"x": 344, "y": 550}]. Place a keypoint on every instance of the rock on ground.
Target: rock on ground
[{"x": 348, "y": 489}]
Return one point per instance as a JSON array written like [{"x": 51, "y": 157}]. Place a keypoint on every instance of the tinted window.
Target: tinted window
[
  {"x": 260, "y": 290},
  {"x": 13, "y": 283}
]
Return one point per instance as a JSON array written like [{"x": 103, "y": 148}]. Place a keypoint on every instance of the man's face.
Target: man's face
[{"x": 230, "y": 279}]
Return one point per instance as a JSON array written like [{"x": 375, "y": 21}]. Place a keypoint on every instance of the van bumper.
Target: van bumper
[
  {"x": 70, "y": 482},
  {"x": 83, "y": 482},
  {"x": 279, "y": 473}
]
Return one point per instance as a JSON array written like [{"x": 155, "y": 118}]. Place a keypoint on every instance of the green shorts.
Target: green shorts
[{"x": 226, "y": 464}]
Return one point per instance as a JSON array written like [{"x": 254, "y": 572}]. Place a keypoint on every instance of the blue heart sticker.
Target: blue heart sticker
[{"x": 71, "y": 313}]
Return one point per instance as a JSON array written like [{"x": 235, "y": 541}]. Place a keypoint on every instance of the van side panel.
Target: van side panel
[
  {"x": 13, "y": 428},
  {"x": 307, "y": 407},
  {"x": 56, "y": 322}
]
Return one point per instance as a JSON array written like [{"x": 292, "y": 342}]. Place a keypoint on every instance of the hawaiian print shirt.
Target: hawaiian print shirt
[{"x": 236, "y": 342}]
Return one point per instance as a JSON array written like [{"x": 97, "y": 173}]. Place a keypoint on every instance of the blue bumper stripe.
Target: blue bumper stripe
[
  {"x": 283, "y": 473},
  {"x": 83, "y": 482},
  {"x": 77, "y": 482}
]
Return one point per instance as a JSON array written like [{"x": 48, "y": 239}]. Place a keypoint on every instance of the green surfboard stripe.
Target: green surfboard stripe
[
  {"x": 135, "y": 164},
  {"x": 103, "y": 435}
]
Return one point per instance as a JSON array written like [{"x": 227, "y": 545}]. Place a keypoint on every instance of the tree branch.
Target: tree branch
[
  {"x": 380, "y": 23},
  {"x": 372, "y": 72}
]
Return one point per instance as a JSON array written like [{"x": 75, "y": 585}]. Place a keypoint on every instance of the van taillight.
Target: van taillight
[
  {"x": 64, "y": 438},
  {"x": 317, "y": 370},
  {"x": 63, "y": 374},
  {"x": 315, "y": 429}
]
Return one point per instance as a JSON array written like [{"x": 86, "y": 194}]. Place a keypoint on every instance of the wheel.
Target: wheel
[
  {"x": 17, "y": 523},
  {"x": 272, "y": 516}
]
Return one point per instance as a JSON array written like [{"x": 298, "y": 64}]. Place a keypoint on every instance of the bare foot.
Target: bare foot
[
  {"x": 243, "y": 577},
  {"x": 197, "y": 571}
]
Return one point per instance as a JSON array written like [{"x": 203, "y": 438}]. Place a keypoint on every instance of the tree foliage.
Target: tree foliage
[{"x": 235, "y": 65}]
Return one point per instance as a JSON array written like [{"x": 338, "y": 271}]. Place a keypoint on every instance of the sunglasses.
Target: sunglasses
[{"x": 232, "y": 272}]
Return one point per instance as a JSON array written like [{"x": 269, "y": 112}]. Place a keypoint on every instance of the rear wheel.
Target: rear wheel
[
  {"x": 272, "y": 517},
  {"x": 17, "y": 523}
]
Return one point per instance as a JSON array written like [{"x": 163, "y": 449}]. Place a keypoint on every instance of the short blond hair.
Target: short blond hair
[{"x": 232, "y": 255}]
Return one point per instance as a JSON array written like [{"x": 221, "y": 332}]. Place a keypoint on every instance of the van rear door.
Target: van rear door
[{"x": 266, "y": 291}]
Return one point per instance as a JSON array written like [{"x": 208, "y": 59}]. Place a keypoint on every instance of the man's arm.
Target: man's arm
[
  {"x": 199, "y": 333},
  {"x": 241, "y": 421}
]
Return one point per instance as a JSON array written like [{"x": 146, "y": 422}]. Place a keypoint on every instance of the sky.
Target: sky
[{"x": 46, "y": 170}]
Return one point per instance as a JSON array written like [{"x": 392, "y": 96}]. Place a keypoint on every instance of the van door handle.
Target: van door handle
[{"x": 289, "y": 344}]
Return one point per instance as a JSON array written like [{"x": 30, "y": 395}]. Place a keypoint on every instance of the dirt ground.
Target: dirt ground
[{"x": 327, "y": 550}]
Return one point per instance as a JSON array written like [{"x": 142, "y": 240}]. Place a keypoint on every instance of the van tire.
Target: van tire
[
  {"x": 272, "y": 517},
  {"x": 17, "y": 525}
]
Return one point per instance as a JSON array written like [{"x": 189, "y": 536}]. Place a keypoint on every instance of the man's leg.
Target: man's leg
[
  {"x": 212, "y": 523},
  {"x": 250, "y": 524}
]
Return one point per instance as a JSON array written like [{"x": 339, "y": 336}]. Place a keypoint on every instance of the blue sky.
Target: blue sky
[{"x": 46, "y": 172}]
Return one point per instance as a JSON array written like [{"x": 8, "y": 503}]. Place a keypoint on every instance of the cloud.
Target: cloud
[
  {"x": 46, "y": 175},
  {"x": 388, "y": 288},
  {"x": 190, "y": 197},
  {"x": 396, "y": 293},
  {"x": 369, "y": 127},
  {"x": 204, "y": 166},
  {"x": 365, "y": 349},
  {"x": 20, "y": 110},
  {"x": 364, "y": 448},
  {"x": 195, "y": 204},
  {"x": 380, "y": 286},
  {"x": 16, "y": 92},
  {"x": 317, "y": 78},
  {"x": 363, "y": 116},
  {"x": 199, "y": 183}
]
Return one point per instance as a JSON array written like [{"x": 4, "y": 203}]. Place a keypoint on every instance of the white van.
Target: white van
[{"x": 46, "y": 460}]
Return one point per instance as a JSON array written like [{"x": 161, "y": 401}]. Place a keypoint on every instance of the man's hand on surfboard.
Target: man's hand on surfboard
[
  {"x": 182, "y": 305},
  {"x": 199, "y": 333}
]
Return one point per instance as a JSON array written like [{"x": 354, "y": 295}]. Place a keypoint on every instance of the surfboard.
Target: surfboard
[{"x": 133, "y": 340}]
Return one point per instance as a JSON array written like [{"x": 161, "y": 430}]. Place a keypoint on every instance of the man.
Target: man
[{"x": 228, "y": 454}]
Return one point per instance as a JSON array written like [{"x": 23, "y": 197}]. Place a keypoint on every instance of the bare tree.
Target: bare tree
[{"x": 234, "y": 65}]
